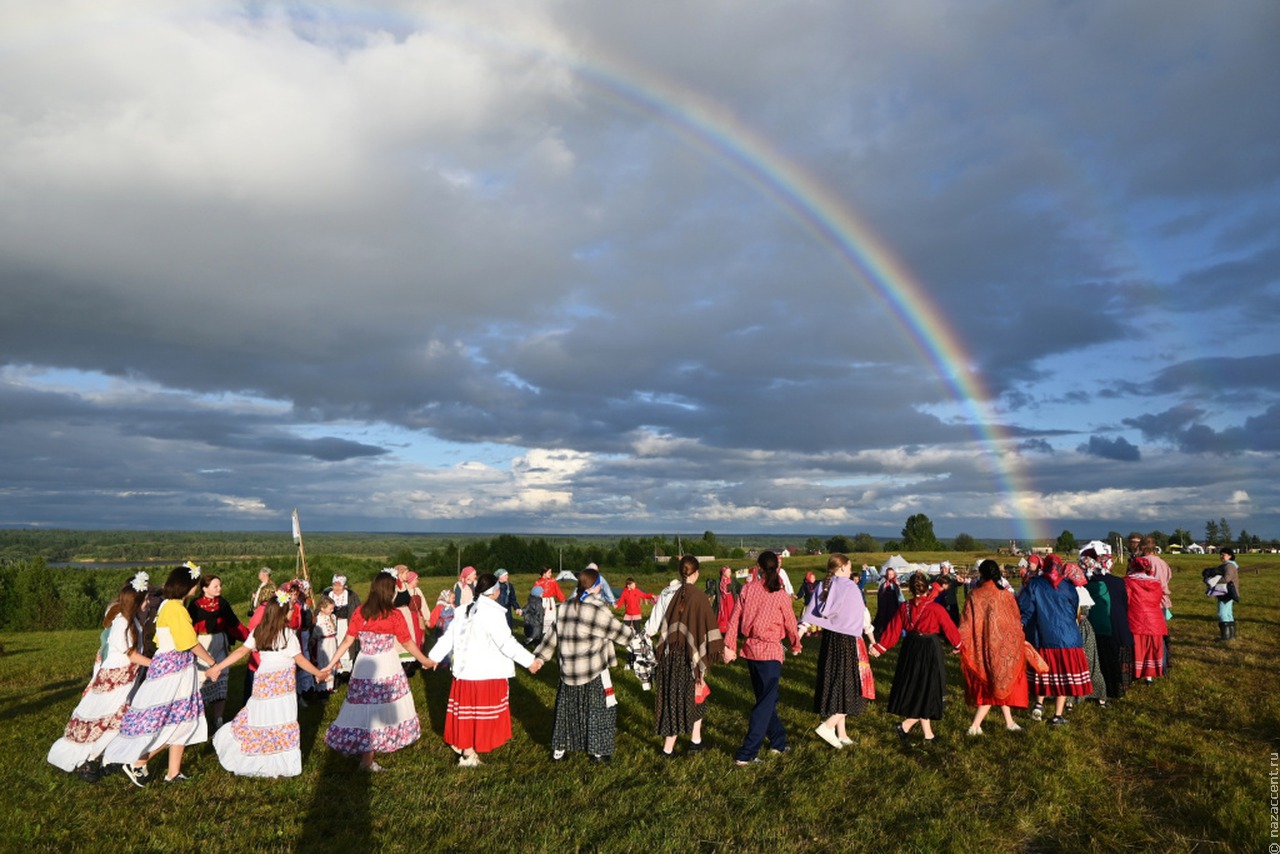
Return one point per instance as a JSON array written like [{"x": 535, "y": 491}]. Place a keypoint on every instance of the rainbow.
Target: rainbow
[{"x": 830, "y": 220}]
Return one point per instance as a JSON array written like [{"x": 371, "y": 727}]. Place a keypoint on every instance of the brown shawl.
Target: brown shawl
[
  {"x": 689, "y": 629},
  {"x": 991, "y": 638}
]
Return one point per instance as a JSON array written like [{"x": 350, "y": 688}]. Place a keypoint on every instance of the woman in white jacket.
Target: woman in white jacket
[{"x": 478, "y": 716}]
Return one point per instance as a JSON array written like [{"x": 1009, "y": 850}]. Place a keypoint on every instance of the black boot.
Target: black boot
[
  {"x": 1231, "y": 630},
  {"x": 1224, "y": 631}
]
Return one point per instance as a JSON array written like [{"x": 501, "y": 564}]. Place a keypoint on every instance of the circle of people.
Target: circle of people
[{"x": 1074, "y": 631}]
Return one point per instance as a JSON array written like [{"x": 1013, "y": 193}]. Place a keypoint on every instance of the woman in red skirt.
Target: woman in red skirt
[
  {"x": 1048, "y": 604},
  {"x": 1146, "y": 619},
  {"x": 478, "y": 716},
  {"x": 992, "y": 654}
]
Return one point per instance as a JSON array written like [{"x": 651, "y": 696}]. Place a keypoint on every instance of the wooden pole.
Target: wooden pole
[{"x": 302, "y": 559}]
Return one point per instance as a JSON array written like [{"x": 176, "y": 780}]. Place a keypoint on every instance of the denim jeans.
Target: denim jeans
[{"x": 764, "y": 715}]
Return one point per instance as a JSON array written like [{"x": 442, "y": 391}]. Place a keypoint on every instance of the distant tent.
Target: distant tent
[
  {"x": 897, "y": 563},
  {"x": 1195, "y": 549}
]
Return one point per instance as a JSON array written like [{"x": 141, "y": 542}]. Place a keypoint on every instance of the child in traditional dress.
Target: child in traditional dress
[
  {"x": 920, "y": 678},
  {"x": 324, "y": 640},
  {"x": 478, "y": 716},
  {"x": 96, "y": 719},
  {"x": 167, "y": 712},
  {"x": 263, "y": 739},
  {"x": 844, "y": 682},
  {"x": 378, "y": 715}
]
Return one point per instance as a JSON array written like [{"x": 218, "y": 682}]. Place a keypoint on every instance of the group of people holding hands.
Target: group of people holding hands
[{"x": 1074, "y": 631}]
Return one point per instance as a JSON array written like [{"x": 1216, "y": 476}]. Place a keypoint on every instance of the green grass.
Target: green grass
[{"x": 1177, "y": 766}]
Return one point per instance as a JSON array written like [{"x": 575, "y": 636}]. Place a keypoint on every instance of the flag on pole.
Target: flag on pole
[{"x": 297, "y": 531}]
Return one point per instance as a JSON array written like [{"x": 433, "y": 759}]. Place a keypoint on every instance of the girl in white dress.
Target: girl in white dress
[
  {"x": 263, "y": 739},
  {"x": 96, "y": 719},
  {"x": 167, "y": 712}
]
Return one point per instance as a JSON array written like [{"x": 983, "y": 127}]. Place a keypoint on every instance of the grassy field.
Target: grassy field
[{"x": 1179, "y": 766}]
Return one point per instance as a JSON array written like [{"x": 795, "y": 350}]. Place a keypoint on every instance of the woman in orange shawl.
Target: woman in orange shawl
[{"x": 992, "y": 656}]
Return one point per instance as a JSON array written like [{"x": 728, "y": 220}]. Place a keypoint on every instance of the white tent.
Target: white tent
[
  {"x": 897, "y": 563},
  {"x": 1099, "y": 548},
  {"x": 1195, "y": 549}
]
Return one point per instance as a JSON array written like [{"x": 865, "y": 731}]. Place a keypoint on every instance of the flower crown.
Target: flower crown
[
  {"x": 193, "y": 569},
  {"x": 139, "y": 581},
  {"x": 390, "y": 570}
]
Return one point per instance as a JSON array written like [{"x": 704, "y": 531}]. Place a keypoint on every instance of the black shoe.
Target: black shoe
[
  {"x": 601, "y": 760},
  {"x": 665, "y": 755},
  {"x": 697, "y": 746},
  {"x": 89, "y": 771},
  {"x": 903, "y": 738},
  {"x": 138, "y": 776}
]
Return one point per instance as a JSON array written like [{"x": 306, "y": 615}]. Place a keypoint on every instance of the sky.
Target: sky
[{"x": 569, "y": 266}]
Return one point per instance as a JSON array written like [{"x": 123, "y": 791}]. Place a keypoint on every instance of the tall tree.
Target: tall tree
[
  {"x": 1211, "y": 532},
  {"x": 839, "y": 544},
  {"x": 1181, "y": 536},
  {"x": 965, "y": 543},
  {"x": 1225, "y": 531},
  {"x": 813, "y": 544},
  {"x": 918, "y": 536},
  {"x": 1066, "y": 542}
]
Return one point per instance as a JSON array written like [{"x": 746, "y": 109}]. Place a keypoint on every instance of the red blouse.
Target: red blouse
[
  {"x": 927, "y": 618},
  {"x": 391, "y": 623}
]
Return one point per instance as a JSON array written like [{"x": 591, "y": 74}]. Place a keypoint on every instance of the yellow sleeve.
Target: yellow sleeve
[{"x": 177, "y": 620}]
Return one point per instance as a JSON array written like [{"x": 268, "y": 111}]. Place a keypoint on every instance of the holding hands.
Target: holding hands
[{"x": 729, "y": 655}]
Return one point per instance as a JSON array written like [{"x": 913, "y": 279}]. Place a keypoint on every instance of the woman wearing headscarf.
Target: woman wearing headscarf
[
  {"x": 1048, "y": 604},
  {"x": 1146, "y": 618},
  {"x": 478, "y": 716},
  {"x": 888, "y": 600},
  {"x": 919, "y": 684},
  {"x": 688, "y": 642},
  {"x": 584, "y": 633},
  {"x": 218, "y": 629},
  {"x": 464, "y": 592},
  {"x": 1109, "y": 618},
  {"x": 345, "y": 602},
  {"x": 992, "y": 649},
  {"x": 412, "y": 605},
  {"x": 763, "y": 617},
  {"x": 844, "y": 682},
  {"x": 723, "y": 591},
  {"x": 507, "y": 597}
]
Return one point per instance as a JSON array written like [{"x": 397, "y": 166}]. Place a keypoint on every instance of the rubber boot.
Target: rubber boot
[
  {"x": 1224, "y": 632},
  {"x": 1231, "y": 630}
]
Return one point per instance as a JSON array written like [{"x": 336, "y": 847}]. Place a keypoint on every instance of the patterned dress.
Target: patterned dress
[
  {"x": 97, "y": 717},
  {"x": 168, "y": 708},
  {"x": 378, "y": 714},
  {"x": 263, "y": 739}
]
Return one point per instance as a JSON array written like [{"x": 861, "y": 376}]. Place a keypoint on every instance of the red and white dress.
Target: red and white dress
[
  {"x": 378, "y": 714},
  {"x": 96, "y": 719},
  {"x": 1146, "y": 621},
  {"x": 263, "y": 739},
  {"x": 485, "y": 652}
]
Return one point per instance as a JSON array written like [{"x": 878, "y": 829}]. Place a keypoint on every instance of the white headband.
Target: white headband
[
  {"x": 339, "y": 579},
  {"x": 390, "y": 570},
  {"x": 492, "y": 589}
]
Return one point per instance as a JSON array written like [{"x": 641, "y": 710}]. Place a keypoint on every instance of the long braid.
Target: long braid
[{"x": 834, "y": 564}]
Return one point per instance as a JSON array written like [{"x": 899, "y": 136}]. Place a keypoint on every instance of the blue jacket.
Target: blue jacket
[{"x": 1049, "y": 614}]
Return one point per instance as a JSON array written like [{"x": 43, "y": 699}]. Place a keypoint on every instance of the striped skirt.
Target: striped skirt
[
  {"x": 1148, "y": 656},
  {"x": 478, "y": 715},
  {"x": 1068, "y": 674}
]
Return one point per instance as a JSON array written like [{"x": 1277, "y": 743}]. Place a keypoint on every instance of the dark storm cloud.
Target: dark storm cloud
[
  {"x": 250, "y": 230},
  {"x": 1118, "y": 448}
]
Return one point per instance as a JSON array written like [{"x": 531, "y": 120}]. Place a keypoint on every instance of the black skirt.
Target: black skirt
[
  {"x": 675, "y": 712},
  {"x": 920, "y": 679},
  {"x": 838, "y": 690},
  {"x": 583, "y": 720}
]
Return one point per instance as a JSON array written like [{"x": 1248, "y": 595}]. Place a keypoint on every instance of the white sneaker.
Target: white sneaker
[
  {"x": 829, "y": 736},
  {"x": 471, "y": 761},
  {"x": 846, "y": 740},
  {"x": 1013, "y": 728},
  {"x": 974, "y": 730}
]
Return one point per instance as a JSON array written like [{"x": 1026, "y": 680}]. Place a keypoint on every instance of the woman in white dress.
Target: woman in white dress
[
  {"x": 263, "y": 739},
  {"x": 96, "y": 719},
  {"x": 167, "y": 712}
]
